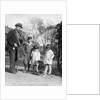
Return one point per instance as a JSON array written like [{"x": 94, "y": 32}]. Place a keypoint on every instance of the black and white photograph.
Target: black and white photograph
[{"x": 33, "y": 50}]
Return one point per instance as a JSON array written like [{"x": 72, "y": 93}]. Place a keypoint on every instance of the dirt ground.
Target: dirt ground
[{"x": 29, "y": 79}]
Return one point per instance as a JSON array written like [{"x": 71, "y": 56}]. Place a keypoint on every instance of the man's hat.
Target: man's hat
[{"x": 19, "y": 24}]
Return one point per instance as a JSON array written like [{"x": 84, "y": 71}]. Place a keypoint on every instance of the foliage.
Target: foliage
[{"x": 58, "y": 37}]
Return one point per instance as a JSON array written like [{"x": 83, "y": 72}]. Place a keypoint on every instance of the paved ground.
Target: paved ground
[{"x": 29, "y": 79}]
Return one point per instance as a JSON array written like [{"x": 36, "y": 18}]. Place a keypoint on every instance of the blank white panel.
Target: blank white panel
[
  {"x": 83, "y": 97},
  {"x": 83, "y": 59},
  {"x": 83, "y": 11}
]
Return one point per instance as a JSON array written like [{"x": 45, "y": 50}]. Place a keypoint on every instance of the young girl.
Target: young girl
[
  {"x": 49, "y": 55},
  {"x": 35, "y": 57}
]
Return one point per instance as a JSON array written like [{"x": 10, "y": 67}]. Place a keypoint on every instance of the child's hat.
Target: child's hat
[
  {"x": 48, "y": 46},
  {"x": 29, "y": 37},
  {"x": 36, "y": 47}
]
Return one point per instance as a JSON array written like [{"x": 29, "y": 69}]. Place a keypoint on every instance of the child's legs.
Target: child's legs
[
  {"x": 25, "y": 63},
  {"x": 28, "y": 65},
  {"x": 50, "y": 69},
  {"x": 36, "y": 66},
  {"x": 25, "y": 67},
  {"x": 46, "y": 69}
]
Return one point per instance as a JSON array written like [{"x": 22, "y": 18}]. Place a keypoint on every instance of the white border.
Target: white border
[
  {"x": 83, "y": 51},
  {"x": 33, "y": 7}
]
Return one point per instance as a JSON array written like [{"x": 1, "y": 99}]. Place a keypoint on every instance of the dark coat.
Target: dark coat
[
  {"x": 27, "y": 49},
  {"x": 11, "y": 39}
]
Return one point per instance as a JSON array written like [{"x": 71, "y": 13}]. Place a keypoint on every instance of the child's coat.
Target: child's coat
[
  {"x": 49, "y": 55},
  {"x": 35, "y": 56}
]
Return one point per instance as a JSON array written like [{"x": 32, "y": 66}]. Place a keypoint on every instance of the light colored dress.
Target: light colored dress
[
  {"x": 49, "y": 55},
  {"x": 35, "y": 56}
]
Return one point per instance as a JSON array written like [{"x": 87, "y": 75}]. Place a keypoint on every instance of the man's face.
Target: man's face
[{"x": 18, "y": 28}]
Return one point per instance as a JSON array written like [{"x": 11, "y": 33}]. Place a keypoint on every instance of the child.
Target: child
[
  {"x": 28, "y": 47},
  {"x": 35, "y": 57},
  {"x": 49, "y": 55}
]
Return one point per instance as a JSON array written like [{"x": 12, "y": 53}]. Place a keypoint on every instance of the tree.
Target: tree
[
  {"x": 35, "y": 27},
  {"x": 59, "y": 45}
]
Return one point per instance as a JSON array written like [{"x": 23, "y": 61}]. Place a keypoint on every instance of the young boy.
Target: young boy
[
  {"x": 49, "y": 55},
  {"x": 28, "y": 47},
  {"x": 35, "y": 57}
]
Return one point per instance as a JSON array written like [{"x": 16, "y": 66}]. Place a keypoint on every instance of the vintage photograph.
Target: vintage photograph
[{"x": 33, "y": 50}]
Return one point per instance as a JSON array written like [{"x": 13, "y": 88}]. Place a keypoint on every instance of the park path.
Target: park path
[{"x": 28, "y": 79}]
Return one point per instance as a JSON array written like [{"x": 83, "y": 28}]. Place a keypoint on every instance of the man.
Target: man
[
  {"x": 12, "y": 45},
  {"x": 49, "y": 55}
]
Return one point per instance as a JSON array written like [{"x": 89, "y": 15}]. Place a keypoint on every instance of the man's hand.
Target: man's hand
[
  {"x": 13, "y": 48},
  {"x": 15, "y": 45},
  {"x": 30, "y": 62}
]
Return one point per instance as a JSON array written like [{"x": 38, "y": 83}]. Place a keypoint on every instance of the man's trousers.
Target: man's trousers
[{"x": 13, "y": 55}]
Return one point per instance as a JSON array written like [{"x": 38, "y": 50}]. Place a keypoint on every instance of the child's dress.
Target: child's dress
[
  {"x": 49, "y": 55},
  {"x": 35, "y": 56}
]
